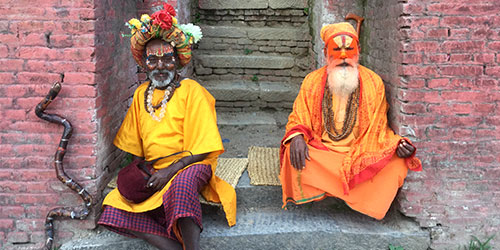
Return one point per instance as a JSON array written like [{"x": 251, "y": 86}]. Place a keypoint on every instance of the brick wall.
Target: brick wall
[
  {"x": 449, "y": 95},
  {"x": 76, "y": 42},
  {"x": 39, "y": 45},
  {"x": 440, "y": 63}
]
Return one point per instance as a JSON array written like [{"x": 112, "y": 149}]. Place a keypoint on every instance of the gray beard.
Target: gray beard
[
  {"x": 343, "y": 80},
  {"x": 159, "y": 84}
]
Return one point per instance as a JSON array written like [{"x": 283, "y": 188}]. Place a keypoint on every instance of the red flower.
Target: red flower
[
  {"x": 168, "y": 8},
  {"x": 164, "y": 17}
]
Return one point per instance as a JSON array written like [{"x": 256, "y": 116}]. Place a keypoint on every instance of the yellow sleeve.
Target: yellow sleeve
[
  {"x": 201, "y": 134},
  {"x": 128, "y": 137}
]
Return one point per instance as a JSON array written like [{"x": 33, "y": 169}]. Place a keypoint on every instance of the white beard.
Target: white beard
[
  {"x": 343, "y": 80},
  {"x": 159, "y": 84}
]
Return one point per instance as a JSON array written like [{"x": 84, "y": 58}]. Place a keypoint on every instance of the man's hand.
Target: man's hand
[
  {"x": 159, "y": 179},
  {"x": 405, "y": 149},
  {"x": 299, "y": 152}
]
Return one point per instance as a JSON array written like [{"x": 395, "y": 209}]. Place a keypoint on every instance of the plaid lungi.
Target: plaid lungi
[{"x": 181, "y": 200}]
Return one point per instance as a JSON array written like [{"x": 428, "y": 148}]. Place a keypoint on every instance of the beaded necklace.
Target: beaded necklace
[
  {"x": 329, "y": 115},
  {"x": 148, "y": 101}
]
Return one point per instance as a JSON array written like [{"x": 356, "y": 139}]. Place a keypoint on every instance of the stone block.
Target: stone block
[
  {"x": 286, "y": 34},
  {"x": 236, "y": 12},
  {"x": 236, "y": 71},
  {"x": 231, "y": 91},
  {"x": 244, "y": 41},
  {"x": 220, "y": 71},
  {"x": 266, "y": 49},
  {"x": 277, "y": 92},
  {"x": 289, "y": 4},
  {"x": 298, "y": 19},
  {"x": 233, "y": 4},
  {"x": 202, "y": 71},
  {"x": 299, "y": 51},
  {"x": 222, "y": 31},
  {"x": 221, "y": 12},
  {"x": 246, "y": 118},
  {"x": 251, "y": 71},
  {"x": 251, "y": 12},
  {"x": 282, "y": 49},
  {"x": 245, "y": 61}
]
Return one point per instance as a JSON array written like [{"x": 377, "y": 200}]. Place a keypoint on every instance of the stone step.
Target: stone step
[
  {"x": 245, "y": 62},
  {"x": 305, "y": 227},
  {"x": 256, "y": 33},
  {"x": 251, "y": 4},
  {"x": 302, "y": 227},
  {"x": 241, "y": 130},
  {"x": 250, "y": 196},
  {"x": 239, "y": 90},
  {"x": 246, "y": 118}
]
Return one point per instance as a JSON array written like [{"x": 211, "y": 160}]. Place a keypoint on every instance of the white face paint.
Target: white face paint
[{"x": 159, "y": 83}]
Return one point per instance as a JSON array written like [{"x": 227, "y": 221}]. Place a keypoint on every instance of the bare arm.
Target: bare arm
[{"x": 159, "y": 179}]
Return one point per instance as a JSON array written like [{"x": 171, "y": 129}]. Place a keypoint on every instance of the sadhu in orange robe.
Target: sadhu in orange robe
[{"x": 362, "y": 169}]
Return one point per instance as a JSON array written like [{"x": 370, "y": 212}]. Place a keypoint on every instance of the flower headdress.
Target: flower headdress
[{"x": 162, "y": 24}]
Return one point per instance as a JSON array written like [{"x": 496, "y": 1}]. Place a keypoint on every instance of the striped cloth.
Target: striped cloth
[{"x": 181, "y": 200}]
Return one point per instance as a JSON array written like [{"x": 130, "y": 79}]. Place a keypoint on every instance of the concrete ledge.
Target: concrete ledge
[{"x": 245, "y": 61}]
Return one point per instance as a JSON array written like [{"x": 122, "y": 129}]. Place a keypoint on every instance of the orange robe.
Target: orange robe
[
  {"x": 190, "y": 123},
  {"x": 362, "y": 169}
]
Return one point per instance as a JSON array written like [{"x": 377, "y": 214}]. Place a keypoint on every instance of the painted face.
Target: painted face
[
  {"x": 160, "y": 62},
  {"x": 160, "y": 56},
  {"x": 342, "y": 47}
]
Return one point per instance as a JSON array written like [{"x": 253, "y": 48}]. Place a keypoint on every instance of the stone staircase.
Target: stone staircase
[
  {"x": 252, "y": 59},
  {"x": 262, "y": 224}
]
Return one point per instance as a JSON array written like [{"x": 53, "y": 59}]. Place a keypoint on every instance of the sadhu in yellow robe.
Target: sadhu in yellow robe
[
  {"x": 189, "y": 124},
  {"x": 362, "y": 169}
]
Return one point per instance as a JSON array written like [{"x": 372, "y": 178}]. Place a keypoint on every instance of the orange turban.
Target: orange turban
[{"x": 332, "y": 30}]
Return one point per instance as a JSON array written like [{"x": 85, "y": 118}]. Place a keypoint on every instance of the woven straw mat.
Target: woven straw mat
[
  {"x": 264, "y": 166},
  {"x": 230, "y": 170}
]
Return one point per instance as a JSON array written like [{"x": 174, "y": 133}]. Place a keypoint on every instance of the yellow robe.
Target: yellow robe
[{"x": 190, "y": 123}]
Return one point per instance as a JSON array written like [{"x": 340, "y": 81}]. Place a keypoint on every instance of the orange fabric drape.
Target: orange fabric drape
[
  {"x": 376, "y": 144},
  {"x": 322, "y": 177}
]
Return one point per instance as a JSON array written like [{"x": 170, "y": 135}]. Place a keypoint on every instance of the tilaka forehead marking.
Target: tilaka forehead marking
[{"x": 343, "y": 41}]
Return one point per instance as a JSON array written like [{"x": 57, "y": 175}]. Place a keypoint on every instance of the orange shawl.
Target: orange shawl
[{"x": 376, "y": 144}]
